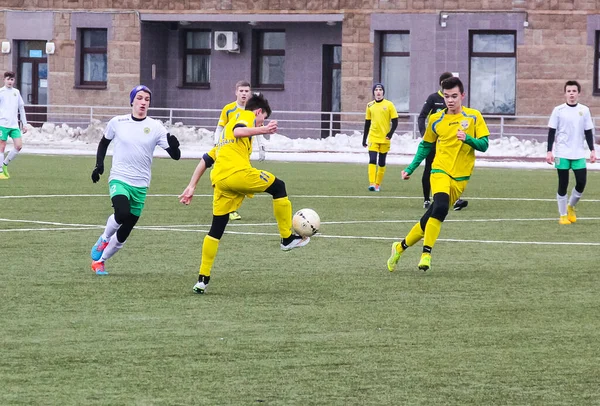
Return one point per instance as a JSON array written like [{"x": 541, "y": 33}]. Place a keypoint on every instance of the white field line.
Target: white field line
[
  {"x": 353, "y": 237},
  {"x": 378, "y": 196}
]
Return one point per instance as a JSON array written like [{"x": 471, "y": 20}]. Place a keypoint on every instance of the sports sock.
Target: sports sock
[
  {"x": 414, "y": 235},
  {"x": 562, "y": 204},
  {"x": 210, "y": 246},
  {"x": 380, "y": 174},
  {"x": 282, "y": 209},
  {"x": 432, "y": 232},
  {"x": 11, "y": 155},
  {"x": 111, "y": 227},
  {"x": 111, "y": 249},
  {"x": 574, "y": 199},
  {"x": 372, "y": 173}
]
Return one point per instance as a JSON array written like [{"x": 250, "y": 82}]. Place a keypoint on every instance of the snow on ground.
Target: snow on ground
[{"x": 64, "y": 140}]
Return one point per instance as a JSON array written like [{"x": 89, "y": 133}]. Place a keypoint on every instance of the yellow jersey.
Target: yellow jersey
[
  {"x": 233, "y": 154},
  {"x": 228, "y": 112},
  {"x": 454, "y": 157},
  {"x": 381, "y": 114}
]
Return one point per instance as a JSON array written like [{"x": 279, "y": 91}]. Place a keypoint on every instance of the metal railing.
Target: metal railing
[{"x": 305, "y": 124}]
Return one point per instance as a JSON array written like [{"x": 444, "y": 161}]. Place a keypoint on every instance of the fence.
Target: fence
[{"x": 294, "y": 124}]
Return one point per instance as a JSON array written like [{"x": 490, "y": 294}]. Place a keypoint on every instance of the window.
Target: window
[
  {"x": 493, "y": 59},
  {"x": 196, "y": 58},
  {"x": 269, "y": 62},
  {"x": 93, "y": 65},
  {"x": 395, "y": 68},
  {"x": 597, "y": 65}
]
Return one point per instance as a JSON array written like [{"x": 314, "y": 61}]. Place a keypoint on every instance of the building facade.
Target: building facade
[{"x": 512, "y": 55}]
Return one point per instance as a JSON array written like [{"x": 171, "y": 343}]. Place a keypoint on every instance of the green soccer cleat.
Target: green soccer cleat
[
  {"x": 5, "y": 171},
  {"x": 395, "y": 257},
  {"x": 425, "y": 262},
  {"x": 234, "y": 216}
]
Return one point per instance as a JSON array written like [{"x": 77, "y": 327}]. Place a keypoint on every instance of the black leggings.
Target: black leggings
[
  {"x": 563, "y": 180},
  {"x": 123, "y": 217},
  {"x": 427, "y": 173},
  {"x": 373, "y": 158}
]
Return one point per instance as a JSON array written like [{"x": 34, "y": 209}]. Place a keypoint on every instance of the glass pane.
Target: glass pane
[
  {"x": 337, "y": 54},
  {"x": 26, "y": 86},
  {"x": 272, "y": 70},
  {"x": 493, "y": 85},
  {"x": 395, "y": 76},
  {"x": 43, "y": 83},
  {"x": 94, "y": 38},
  {"x": 32, "y": 49},
  {"x": 396, "y": 43},
  {"x": 197, "y": 69},
  {"x": 273, "y": 40},
  {"x": 198, "y": 40},
  {"x": 494, "y": 43},
  {"x": 94, "y": 68},
  {"x": 336, "y": 90}
]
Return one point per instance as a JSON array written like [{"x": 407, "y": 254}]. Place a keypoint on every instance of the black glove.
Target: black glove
[
  {"x": 173, "y": 141},
  {"x": 98, "y": 170}
]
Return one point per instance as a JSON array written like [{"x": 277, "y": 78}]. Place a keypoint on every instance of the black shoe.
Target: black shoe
[{"x": 460, "y": 204}]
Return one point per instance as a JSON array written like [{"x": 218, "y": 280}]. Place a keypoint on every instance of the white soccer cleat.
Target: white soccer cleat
[
  {"x": 199, "y": 287},
  {"x": 297, "y": 242}
]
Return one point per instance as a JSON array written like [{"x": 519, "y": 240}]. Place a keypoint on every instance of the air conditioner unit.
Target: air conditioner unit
[{"x": 227, "y": 41}]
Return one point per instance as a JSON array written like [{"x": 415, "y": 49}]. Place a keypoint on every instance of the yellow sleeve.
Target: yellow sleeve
[
  {"x": 246, "y": 118},
  {"x": 481, "y": 129},
  {"x": 212, "y": 153},
  {"x": 223, "y": 118},
  {"x": 393, "y": 112},
  {"x": 368, "y": 113},
  {"x": 430, "y": 135}
]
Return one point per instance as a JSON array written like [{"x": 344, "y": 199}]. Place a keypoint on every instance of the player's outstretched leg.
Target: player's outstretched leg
[
  {"x": 395, "y": 257},
  {"x": 98, "y": 248}
]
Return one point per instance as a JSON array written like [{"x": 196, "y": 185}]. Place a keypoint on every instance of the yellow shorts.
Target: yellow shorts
[
  {"x": 229, "y": 193},
  {"x": 380, "y": 147},
  {"x": 442, "y": 183}
]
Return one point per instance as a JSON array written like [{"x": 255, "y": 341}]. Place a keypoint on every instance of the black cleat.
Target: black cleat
[{"x": 460, "y": 204}]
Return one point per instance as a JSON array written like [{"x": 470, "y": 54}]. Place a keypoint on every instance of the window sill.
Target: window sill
[
  {"x": 269, "y": 88},
  {"x": 192, "y": 86},
  {"x": 90, "y": 87}
]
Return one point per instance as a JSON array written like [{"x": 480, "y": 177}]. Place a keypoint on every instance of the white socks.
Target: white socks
[
  {"x": 11, "y": 155},
  {"x": 562, "y": 204},
  {"x": 111, "y": 249},
  {"x": 111, "y": 227},
  {"x": 575, "y": 196}
]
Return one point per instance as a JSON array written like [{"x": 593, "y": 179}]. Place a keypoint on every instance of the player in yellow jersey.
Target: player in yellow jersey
[
  {"x": 380, "y": 123},
  {"x": 458, "y": 131},
  {"x": 242, "y": 94},
  {"x": 233, "y": 178}
]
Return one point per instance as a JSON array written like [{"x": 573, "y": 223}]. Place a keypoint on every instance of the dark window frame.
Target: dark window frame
[
  {"x": 513, "y": 54},
  {"x": 257, "y": 53},
  {"x": 83, "y": 51},
  {"x": 194, "y": 51},
  {"x": 596, "y": 90}
]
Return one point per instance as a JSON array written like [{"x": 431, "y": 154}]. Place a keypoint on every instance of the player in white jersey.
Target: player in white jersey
[
  {"x": 11, "y": 103},
  {"x": 135, "y": 136},
  {"x": 571, "y": 137}
]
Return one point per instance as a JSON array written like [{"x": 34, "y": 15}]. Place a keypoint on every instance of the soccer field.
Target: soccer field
[{"x": 508, "y": 314}]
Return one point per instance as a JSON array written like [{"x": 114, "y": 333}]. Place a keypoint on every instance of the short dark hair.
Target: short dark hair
[
  {"x": 573, "y": 83},
  {"x": 451, "y": 83},
  {"x": 9, "y": 74},
  {"x": 258, "y": 101},
  {"x": 242, "y": 83},
  {"x": 444, "y": 76}
]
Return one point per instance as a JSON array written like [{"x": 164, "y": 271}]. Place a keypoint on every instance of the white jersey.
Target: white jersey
[
  {"x": 570, "y": 123},
  {"x": 11, "y": 103},
  {"x": 134, "y": 143}
]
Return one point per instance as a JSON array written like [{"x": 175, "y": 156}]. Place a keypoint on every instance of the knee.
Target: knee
[
  {"x": 441, "y": 205},
  {"x": 382, "y": 158},
  {"x": 122, "y": 209},
  {"x": 277, "y": 189},
  {"x": 217, "y": 228},
  {"x": 372, "y": 157}
]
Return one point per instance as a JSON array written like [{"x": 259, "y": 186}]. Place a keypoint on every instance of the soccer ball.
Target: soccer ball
[{"x": 306, "y": 222}]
